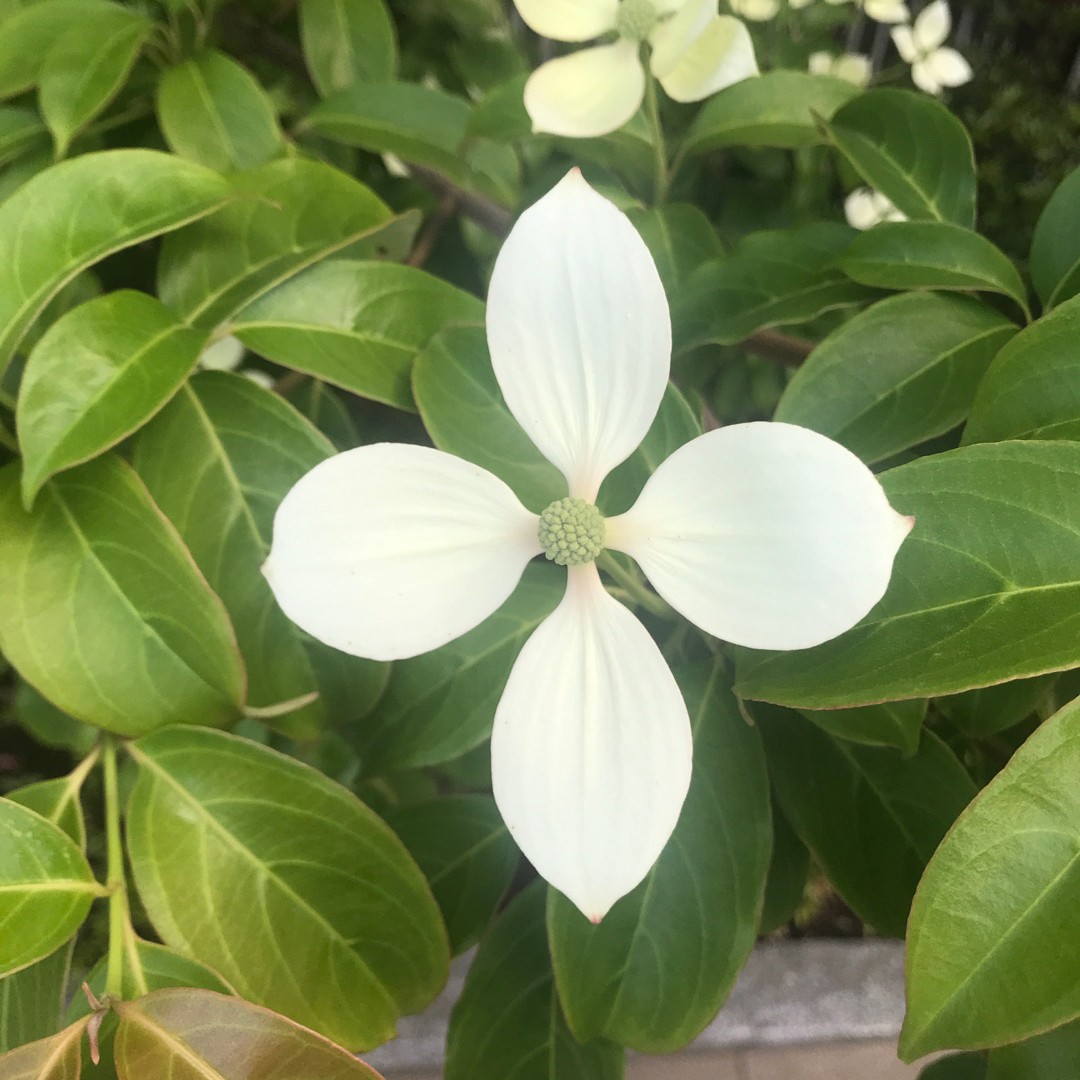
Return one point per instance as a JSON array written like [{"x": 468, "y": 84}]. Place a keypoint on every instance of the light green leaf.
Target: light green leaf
[
  {"x": 658, "y": 967},
  {"x": 96, "y": 573},
  {"x": 218, "y": 461},
  {"x": 46, "y": 887},
  {"x": 347, "y": 41},
  {"x": 776, "y": 109},
  {"x": 507, "y": 1022},
  {"x": 439, "y": 705},
  {"x": 1032, "y": 389},
  {"x": 1055, "y": 244},
  {"x": 200, "y": 1035},
  {"x": 70, "y": 216},
  {"x": 358, "y": 325},
  {"x": 287, "y": 216},
  {"x": 32, "y": 1000},
  {"x": 1012, "y": 860},
  {"x": 49, "y": 726},
  {"x": 897, "y": 374},
  {"x": 468, "y": 857},
  {"x": 20, "y": 131},
  {"x": 931, "y": 255},
  {"x": 871, "y": 816},
  {"x": 1052, "y": 1056},
  {"x": 892, "y": 723},
  {"x": 57, "y": 801},
  {"x": 978, "y": 713},
  {"x": 680, "y": 238},
  {"x": 213, "y": 111},
  {"x": 773, "y": 277},
  {"x": 59, "y": 1057},
  {"x": 500, "y": 114},
  {"x": 99, "y": 373},
  {"x": 86, "y": 68},
  {"x": 339, "y": 929},
  {"x": 985, "y": 589},
  {"x": 913, "y": 150}
]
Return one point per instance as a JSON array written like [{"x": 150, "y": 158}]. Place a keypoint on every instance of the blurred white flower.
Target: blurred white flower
[
  {"x": 226, "y": 355},
  {"x": 756, "y": 10},
  {"x": 851, "y": 67},
  {"x": 694, "y": 53},
  {"x": 795, "y": 5},
  {"x": 865, "y": 208},
  {"x": 933, "y": 67},
  {"x": 883, "y": 11}
]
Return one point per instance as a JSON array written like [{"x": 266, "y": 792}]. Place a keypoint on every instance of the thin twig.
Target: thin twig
[
  {"x": 433, "y": 229},
  {"x": 772, "y": 345}
]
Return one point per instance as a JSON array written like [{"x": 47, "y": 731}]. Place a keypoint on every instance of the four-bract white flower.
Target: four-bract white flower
[
  {"x": 695, "y": 53},
  {"x": 767, "y": 535},
  {"x": 883, "y": 11},
  {"x": 933, "y": 67}
]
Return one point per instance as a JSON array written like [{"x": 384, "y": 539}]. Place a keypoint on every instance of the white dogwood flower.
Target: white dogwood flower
[
  {"x": 694, "y": 53},
  {"x": 882, "y": 11},
  {"x": 864, "y": 208},
  {"x": 768, "y": 535},
  {"x": 756, "y": 10},
  {"x": 922, "y": 45},
  {"x": 851, "y": 67}
]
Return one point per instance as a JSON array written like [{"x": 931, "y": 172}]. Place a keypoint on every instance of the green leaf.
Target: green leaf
[
  {"x": 32, "y": 1000},
  {"x": 213, "y": 111},
  {"x": 339, "y": 931},
  {"x": 956, "y": 1067},
  {"x": 892, "y": 723},
  {"x": 871, "y": 816},
  {"x": 287, "y": 216},
  {"x": 57, "y": 801},
  {"x": 346, "y": 42},
  {"x": 658, "y": 967},
  {"x": 96, "y": 573},
  {"x": 994, "y": 941},
  {"x": 1032, "y": 389},
  {"x": 786, "y": 880},
  {"x": 200, "y": 1035},
  {"x": 86, "y": 68},
  {"x": 500, "y": 114},
  {"x": 1055, "y": 244},
  {"x": 912, "y": 149},
  {"x": 326, "y": 409},
  {"x": 358, "y": 325},
  {"x": 99, "y": 373},
  {"x": 985, "y": 589},
  {"x": 20, "y": 131},
  {"x": 931, "y": 255},
  {"x": 1053, "y": 1056},
  {"x": 49, "y": 726},
  {"x": 774, "y": 277},
  {"x": 439, "y": 705},
  {"x": 897, "y": 374},
  {"x": 680, "y": 238},
  {"x": 978, "y": 713},
  {"x": 59, "y": 1057},
  {"x": 46, "y": 887},
  {"x": 468, "y": 857},
  {"x": 776, "y": 109},
  {"x": 507, "y": 1022},
  {"x": 218, "y": 461},
  {"x": 79, "y": 211}
]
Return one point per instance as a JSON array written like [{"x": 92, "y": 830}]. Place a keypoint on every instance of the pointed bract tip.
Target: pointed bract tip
[{"x": 595, "y": 919}]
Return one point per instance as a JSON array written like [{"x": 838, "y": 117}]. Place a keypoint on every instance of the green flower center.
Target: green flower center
[
  {"x": 635, "y": 19},
  {"x": 571, "y": 532}
]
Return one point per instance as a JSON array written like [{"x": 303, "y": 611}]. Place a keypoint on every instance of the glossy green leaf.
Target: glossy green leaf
[
  {"x": 95, "y": 573},
  {"x": 774, "y": 277},
  {"x": 776, "y": 109},
  {"x": 978, "y": 713},
  {"x": 218, "y": 461},
  {"x": 439, "y": 705},
  {"x": 1014, "y": 859},
  {"x": 871, "y": 816},
  {"x": 656, "y": 970},
  {"x": 986, "y": 588},
  {"x": 358, "y": 325},
  {"x": 347, "y": 41},
  {"x": 507, "y": 1022},
  {"x": 284, "y": 882},
  {"x": 680, "y": 238},
  {"x": 897, "y": 374},
  {"x": 892, "y": 723},
  {"x": 909, "y": 147},
  {"x": 500, "y": 114},
  {"x": 59, "y": 1057},
  {"x": 287, "y": 216},
  {"x": 1053, "y": 1056},
  {"x": 86, "y": 68},
  {"x": 99, "y": 373},
  {"x": 57, "y": 801},
  {"x": 326, "y": 409},
  {"x": 20, "y": 130},
  {"x": 46, "y": 887},
  {"x": 931, "y": 255},
  {"x": 785, "y": 882},
  {"x": 1032, "y": 390},
  {"x": 32, "y": 1000},
  {"x": 200, "y": 1035},
  {"x": 1055, "y": 244},
  {"x": 467, "y": 855},
  {"x": 79, "y": 211},
  {"x": 213, "y": 111},
  {"x": 51, "y": 727}
]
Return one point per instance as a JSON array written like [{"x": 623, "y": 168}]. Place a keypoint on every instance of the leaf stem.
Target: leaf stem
[
  {"x": 632, "y": 586},
  {"x": 118, "y": 902},
  {"x": 652, "y": 110}
]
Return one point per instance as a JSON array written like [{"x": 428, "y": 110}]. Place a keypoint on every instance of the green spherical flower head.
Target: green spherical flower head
[
  {"x": 635, "y": 19},
  {"x": 571, "y": 532}
]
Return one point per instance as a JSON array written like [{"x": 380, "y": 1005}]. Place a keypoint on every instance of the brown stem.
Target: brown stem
[
  {"x": 772, "y": 345},
  {"x": 433, "y": 229}
]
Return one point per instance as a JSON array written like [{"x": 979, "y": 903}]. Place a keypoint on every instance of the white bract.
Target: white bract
[
  {"x": 694, "y": 53},
  {"x": 756, "y": 10},
  {"x": 767, "y": 535},
  {"x": 883, "y": 11},
  {"x": 864, "y": 208},
  {"x": 851, "y": 67},
  {"x": 227, "y": 354},
  {"x": 933, "y": 67}
]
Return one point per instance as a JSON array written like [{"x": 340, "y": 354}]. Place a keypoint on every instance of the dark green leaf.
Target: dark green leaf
[
  {"x": 51, "y": 727},
  {"x": 786, "y": 880},
  {"x": 892, "y": 723},
  {"x": 20, "y": 131},
  {"x": 1053, "y": 1056},
  {"x": 500, "y": 114},
  {"x": 32, "y": 1000},
  {"x": 956, "y": 1067},
  {"x": 680, "y": 238},
  {"x": 346, "y": 42},
  {"x": 978, "y": 713},
  {"x": 1055, "y": 245}
]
